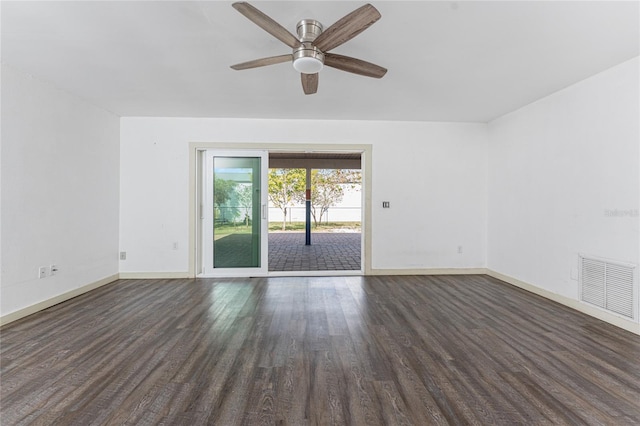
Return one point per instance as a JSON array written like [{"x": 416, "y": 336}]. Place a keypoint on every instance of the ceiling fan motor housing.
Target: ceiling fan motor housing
[
  {"x": 308, "y": 30},
  {"x": 307, "y": 58}
]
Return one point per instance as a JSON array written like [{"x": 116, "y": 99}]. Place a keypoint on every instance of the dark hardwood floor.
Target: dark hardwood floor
[{"x": 331, "y": 350}]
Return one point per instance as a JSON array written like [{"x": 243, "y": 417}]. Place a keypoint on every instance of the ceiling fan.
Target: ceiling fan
[{"x": 311, "y": 47}]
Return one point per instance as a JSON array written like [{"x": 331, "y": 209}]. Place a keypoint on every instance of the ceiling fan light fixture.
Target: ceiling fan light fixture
[
  {"x": 308, "y": 59},
  {"x": 308, "y": 65}
]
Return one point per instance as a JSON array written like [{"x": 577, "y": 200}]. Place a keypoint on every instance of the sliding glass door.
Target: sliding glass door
[{"x": 235, "y": 216}]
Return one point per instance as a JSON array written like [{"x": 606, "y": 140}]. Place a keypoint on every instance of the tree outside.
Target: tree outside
[
  {"x": 245, "y": 200},
  {"x": 327, "y": 189},
  {"x": 223, "y": 190},
  {"x": 285, "y": 188}
]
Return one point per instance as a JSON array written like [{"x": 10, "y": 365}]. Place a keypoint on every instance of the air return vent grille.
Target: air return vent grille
[{"x": 608, "y": 285}]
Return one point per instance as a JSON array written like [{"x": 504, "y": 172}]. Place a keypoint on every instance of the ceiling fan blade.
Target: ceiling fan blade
[
  {"x": 309, "y": 83},
  {"x": 347, "y": 28},
  {"x": 263, "y": 62},
  {"x": 356, "y": 66},
  {"x": 267, "y": 24}
]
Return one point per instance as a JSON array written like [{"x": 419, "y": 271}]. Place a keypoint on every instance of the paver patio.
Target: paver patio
[{"x": 329, "y": 251}]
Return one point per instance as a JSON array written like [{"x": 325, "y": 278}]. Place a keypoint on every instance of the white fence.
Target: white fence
[
  {"x": 348, "y": 210},
  {"x": 334, "y": 214}
]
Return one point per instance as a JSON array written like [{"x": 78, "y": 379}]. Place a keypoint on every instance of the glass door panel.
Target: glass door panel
[
  {"x": 236, "y": 229},
  {"x": 236, "y": 226}
]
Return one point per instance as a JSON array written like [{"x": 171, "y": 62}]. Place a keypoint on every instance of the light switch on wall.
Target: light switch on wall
[{"x": 385, "y": 205}]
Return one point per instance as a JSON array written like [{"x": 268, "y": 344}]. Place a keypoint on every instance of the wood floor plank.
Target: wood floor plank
[
  {"x": 362, "y": 406},
  {"x": 399, "y": 350}
]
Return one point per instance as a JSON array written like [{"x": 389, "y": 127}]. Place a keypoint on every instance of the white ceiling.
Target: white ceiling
[{"x": 448, "y": 61}]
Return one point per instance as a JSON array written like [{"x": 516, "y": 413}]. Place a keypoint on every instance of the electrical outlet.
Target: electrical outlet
[
  {"x": 386, "y": 204},
  {"x": 175, "y": 245},
  {"x": 54, "y": 269},
  {"x": 459, "y": 249},
  {"x": 42, "y": 272},
  {"x": 123, "y": 255}
]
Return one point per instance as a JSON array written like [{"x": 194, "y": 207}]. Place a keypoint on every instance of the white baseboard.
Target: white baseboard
[
  {"x": 152, "y": 275},
  {"x": 13, "y": 316},
  {"x": 433, "y": 271},
  {"x": 628, "y": 325},
  {"x": 337, "y": 273},
  {"x": 429, "y": 271}
]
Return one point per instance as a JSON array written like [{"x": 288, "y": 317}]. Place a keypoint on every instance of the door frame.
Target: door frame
[{"x": 195, "y": 192}]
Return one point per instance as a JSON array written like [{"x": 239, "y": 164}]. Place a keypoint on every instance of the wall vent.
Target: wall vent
[{"x": 608, "y": 285}]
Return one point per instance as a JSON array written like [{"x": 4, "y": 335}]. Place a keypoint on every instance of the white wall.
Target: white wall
[
  {"x": 555, "y": 168},
  {"x": 434, "y": 175},
  {"x": 60, "y": 188}
]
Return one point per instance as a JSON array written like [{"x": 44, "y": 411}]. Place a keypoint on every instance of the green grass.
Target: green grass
[
  {"x": 299, "y": 226},
  {"x": 229, "y": 228}
]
